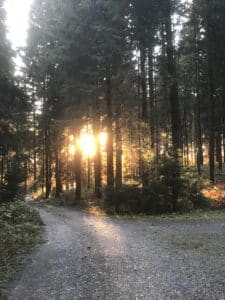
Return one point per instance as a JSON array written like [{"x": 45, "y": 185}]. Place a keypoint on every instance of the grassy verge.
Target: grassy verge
[
  {"x": 20, "y": 230},
  {"x": 194, "y": 215}
]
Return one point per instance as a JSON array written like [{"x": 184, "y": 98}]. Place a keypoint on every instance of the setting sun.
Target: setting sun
[{"x": 87, "y": 144}]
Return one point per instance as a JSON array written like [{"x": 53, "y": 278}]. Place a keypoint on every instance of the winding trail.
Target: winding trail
[{"x": 88, "y": 257}]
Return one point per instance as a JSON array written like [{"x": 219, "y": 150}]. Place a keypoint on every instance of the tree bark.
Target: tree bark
[
  {"x": 198, "y": 125},
  {"x": 151, "y": 97},
  {"x": 211, "y": 100},
  {"x": 78, "y": 177},
  {"x": 223, "y": 120},
  {"x": 186, "y": 139},
  {"x": 157, "y": 133},
  {"x": 219, "y": 133},
  {"x": 118, "y": 150},
  {"x": 2, "y": 168},
  {"x": 35, "y": 151},
  {"x": 110, "y": 169},
  {"x": 144, "y": 111},
  {"x": 47, "y": 164},
  {"x": 98, "y": 160},
  {"x": 58, "y": 181}
]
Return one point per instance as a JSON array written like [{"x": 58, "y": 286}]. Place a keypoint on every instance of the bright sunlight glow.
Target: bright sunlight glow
[
  {"x": 87, "y": 144},
  {"x": 72, "y": 149},
  {"x": 17, "y": 21},
  {"x": 103, "y": 139}
]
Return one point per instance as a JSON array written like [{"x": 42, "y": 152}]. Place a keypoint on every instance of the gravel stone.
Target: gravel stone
[{"x": 89, "y": 257}]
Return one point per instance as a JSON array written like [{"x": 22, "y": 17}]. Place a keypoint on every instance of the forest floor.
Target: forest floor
[{"x": 97, "y": 257}]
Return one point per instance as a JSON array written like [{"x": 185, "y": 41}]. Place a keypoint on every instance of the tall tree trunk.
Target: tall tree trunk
[
  {"x": 219, "y": 133},
  {"x": 47, "y": 142},
  {"x": 98, "y": 159},
  {"x": 26, "y": 174},
  {"x": 35, "y": 152},
  {"x": 58, "y": 181},
  {"x": 144, "y": 125},
  {"x": 186, "y": 140},
  {"x": 88, "y": 173},
  {"x": 223, "y": 120},
  {"x": 142, "y": 98},
  {"x": 47, "y": 164},
  {"x": 151, "y": 96},
  {"x": 211, "y": 100},
  {"x": 157, "y": 133},
  {"x": 2, "y": 168},
  {"x": 35, "y": 168},
  {"x": 118, "y": 150},
  {"x": 198, "y": 125},
  {"x": 173, "y": 84},
  {"x": 198, "y": 131},
  {"x": 143, "y": 56},
  {"x": 140, "y": 163},
  {"x": 43, "y": 168},
  {"x": 219, "y": 151},
  {"x": 110, "y": 169},
  {"x": 78, "y": 177},
  {"x": 211, "y": 133}
]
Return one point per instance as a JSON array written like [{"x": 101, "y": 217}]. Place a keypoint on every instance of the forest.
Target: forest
[
  {"x": 120, "y": 102},
  {"x": 112, "y": 149}
]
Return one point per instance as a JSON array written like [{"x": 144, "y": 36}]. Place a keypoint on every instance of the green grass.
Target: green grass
[
  {"x": 20, "y": 230},
  {"x": 190, "y": 216}
]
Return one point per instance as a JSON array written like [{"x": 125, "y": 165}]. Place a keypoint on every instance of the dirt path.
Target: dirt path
[{"x": 88, "y": 257}]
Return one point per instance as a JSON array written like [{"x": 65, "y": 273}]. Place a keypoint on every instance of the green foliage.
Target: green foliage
[
  {"x": 127, "y": 199},
  {"x": 170, "y": 191},
  {"x": 167, "y": 189},
  {"x": 20, "y": 228}
]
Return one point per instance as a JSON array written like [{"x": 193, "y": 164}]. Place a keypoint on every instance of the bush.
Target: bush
[
  {"x": 19, "y": 212},
  {"x": 124, "y": 200},
  {"x": 156, "y": 198},
  {"x": 166, "y": 192}
]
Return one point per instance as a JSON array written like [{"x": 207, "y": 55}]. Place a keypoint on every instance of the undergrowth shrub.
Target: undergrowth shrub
[
  {"x": 124, "y": 200},
  {"x": 168, "y": 190}
]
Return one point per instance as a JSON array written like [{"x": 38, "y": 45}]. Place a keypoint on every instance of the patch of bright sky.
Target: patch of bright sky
[{"x": 17, "y": 25}]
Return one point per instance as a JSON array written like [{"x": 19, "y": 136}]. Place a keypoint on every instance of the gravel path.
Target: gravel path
[{"x": 88, "y": 257}]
